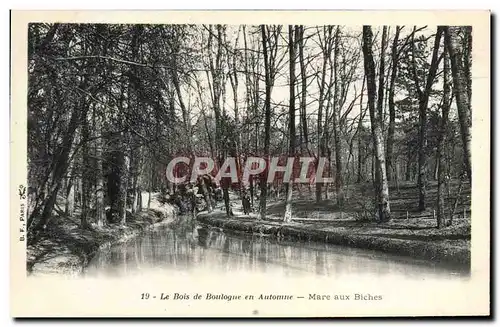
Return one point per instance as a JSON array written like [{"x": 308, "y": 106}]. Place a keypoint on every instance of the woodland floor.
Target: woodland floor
[
  {"x": 415, "y": 236},
  {"x": 67, "y": 248}
]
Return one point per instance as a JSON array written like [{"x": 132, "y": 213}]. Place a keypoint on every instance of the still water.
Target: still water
[{"x": 188, "y": 247}]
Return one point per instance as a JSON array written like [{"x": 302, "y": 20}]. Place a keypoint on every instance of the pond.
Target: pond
[{"x": 189, "y": 247}]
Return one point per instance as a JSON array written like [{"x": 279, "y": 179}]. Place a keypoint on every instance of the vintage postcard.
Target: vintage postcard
[{"x": 250, "y": 163}]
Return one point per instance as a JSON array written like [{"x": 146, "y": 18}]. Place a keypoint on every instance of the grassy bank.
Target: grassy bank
[
  {"x": 411, "y": 232},
  {"x": 66, "y": 248},
  {"x": 414, "y": 238}
]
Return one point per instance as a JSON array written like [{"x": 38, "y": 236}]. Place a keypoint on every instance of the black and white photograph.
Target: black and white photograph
[{"x": 316, "y": 151}]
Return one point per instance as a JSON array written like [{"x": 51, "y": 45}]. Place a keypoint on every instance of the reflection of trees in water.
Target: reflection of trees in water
[
  {"x": 230, "y": 253},
  {"x": 226, "y": 249},
  {"x": 124, "y": 258},
  {"x": 115, "y": 258},
  {"x": 190, "y": 246},
  {"x": 152, "y": 245},
  {"x": 321, "y": 268},
  {"x": 203, "y": 237},
  {"x": 213, "y": 238},
  {"x": 192, "y": 235},
  {"x": 285, "y": 255}
]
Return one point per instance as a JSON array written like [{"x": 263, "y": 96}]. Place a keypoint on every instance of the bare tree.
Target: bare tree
[
  {"x": 293, "y": 35},
  {"x": 382, "y": 188},
  {"x": 423, "y": 101},
  {"x": 445, "y": 109},
  {"x": 270, "y": 36},
  {"x": 336, "y": 117},
  {"x": 392, "y": 108},
  {"x": 326, "y": 44},
  {"x": 460, "y": 69}
]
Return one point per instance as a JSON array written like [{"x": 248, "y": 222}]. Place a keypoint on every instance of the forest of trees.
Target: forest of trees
[{"x": 110, "y": 105}]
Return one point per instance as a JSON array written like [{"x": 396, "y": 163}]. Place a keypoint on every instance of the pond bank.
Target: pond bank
[
  {"x": 449, "y": 245},
  {"x": 65, "y": 248}
]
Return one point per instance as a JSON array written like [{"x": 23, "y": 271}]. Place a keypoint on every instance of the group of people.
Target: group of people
[
  {"x": 190, "y": 196},
  {"x": 194, "y": 197}
]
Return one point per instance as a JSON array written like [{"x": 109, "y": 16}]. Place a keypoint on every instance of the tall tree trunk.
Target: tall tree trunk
[
  {"x": 134, "y": 171},
  {"x": 69, "y": 208},
  {"x": 441, "y": 161},
  {"x": 139, "y": 199},
  {"x": 118, "y": 181},
  {"x": 380, "y": 111},
  {"x": 325, "y": 140},
  {"x": 408, "y": 167},
  {"x": 381, "y": 81},
  {"x": 392, "y": 107},
  {"x": 174, "y": 48},
  {"x": 336, "y": 127},
  {"x": 137, "y": 99},
  {"x": 86, "y": 185},
  {"x": 359, "y": 135},
  {"x": 436, "y": 168},
  {"x": 423, "y": 101},
  {"x": 250, "y": 105},
  {"x": 267, "y": 123},
  {"x": 99, "y": 186},
  {"x": 120, "y": 164},
  {"x": 218, "y": 91},
  {"x": 293, "y": 35},
  {"x": 461, "y": 81},
  {"x": 384, "y": 211},
  {"x": 326, "y": 51},
  {"x": 135, "y": 194},
  {"x": 125, "y": 166},
  {"x": 303, "y": 85},
  {"x": 151, "y": 184},
  {"x": 233, "y": 79},
  {"x": 248, "y": 82}
]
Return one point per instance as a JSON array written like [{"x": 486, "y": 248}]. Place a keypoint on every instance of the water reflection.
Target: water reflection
[{"x": 188, "y": 246}]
